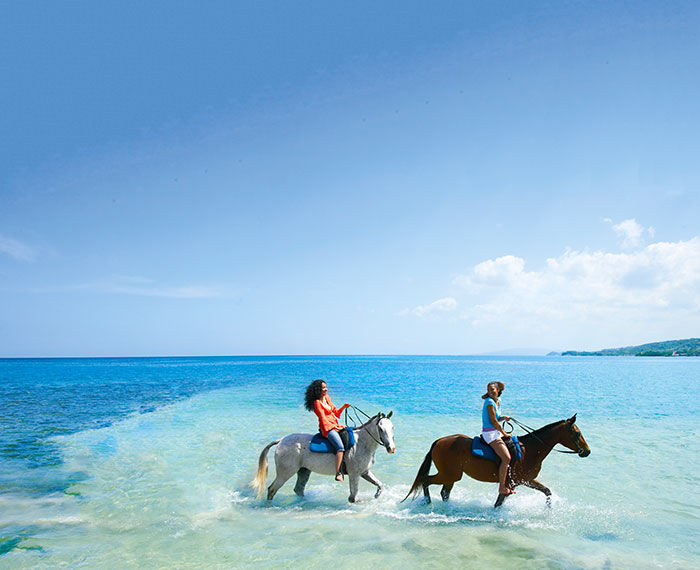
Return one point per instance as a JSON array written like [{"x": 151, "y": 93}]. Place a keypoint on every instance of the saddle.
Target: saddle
[
  {"x": 482, "y": 449},
  {"x": 320, "y": 444}
]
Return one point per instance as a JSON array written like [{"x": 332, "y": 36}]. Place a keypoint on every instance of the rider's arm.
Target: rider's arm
[
  {"x": 338, "y": 411},
  {"x": 494, "y": 419}
]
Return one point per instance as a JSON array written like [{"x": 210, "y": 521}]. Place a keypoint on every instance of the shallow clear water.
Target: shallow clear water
[{"x": 146, "y": 462}]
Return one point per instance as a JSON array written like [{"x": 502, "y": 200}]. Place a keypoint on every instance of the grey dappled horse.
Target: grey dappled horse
[{"x": 294, "y": 456}]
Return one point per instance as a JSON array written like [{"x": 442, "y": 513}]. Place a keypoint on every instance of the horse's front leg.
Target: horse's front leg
[
  {"x": 354, "y": 480},
  {"x": 369, "y": 476},
  {"x": 535, "y": 484}
]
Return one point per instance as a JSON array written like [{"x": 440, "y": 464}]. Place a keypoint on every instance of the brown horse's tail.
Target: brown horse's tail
[
  {"x": 422, "y": 475},
  {"x": 259, "y": 482}
]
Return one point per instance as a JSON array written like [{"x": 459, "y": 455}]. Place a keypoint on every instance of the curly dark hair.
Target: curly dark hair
[{"x": 313, "y": 393}]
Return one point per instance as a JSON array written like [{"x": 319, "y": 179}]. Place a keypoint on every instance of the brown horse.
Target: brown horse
[{"x": 452, "y": 456}]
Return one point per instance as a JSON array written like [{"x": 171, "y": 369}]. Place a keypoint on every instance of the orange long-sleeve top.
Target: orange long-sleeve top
[{"x": 328, "y": 415}]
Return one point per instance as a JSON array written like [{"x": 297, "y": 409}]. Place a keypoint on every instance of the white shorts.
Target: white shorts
[{"x": 491, "y": 435}]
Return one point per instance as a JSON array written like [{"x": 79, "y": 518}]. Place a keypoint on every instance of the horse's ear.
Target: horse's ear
[
  {"x": 389, "y": 414},
  {"x": 572, "y": 419},
  {"x": 380, "y": 416}
]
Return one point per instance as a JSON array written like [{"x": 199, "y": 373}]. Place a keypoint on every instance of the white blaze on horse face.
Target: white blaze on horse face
[{"x": 386, "y": 429}]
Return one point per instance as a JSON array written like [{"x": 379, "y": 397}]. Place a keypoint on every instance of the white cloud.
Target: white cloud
[
  {"x": 659, "y": 283},
  {"x": 631, "y": 232},
  {"x": 16, "y": 249},
  {"x": 443, "y": 305}
]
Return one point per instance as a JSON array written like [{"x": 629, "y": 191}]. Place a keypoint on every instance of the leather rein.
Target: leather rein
[
  {"x": 575, "y": 435},
  {"x": 356, "y": 419}
]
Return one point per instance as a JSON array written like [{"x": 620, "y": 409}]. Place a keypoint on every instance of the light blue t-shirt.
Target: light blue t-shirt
[{"x": 485, "y": 418}]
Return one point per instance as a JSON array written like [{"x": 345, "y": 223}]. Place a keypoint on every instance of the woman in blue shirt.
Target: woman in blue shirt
[{"x": 492, "y": 432}]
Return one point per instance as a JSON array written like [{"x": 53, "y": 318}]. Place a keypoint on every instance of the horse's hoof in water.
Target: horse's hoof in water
[
  {"x": 499, "y": 501},
  {"x": 379, "y": 492},
  {"x": 549, "y": 502}
]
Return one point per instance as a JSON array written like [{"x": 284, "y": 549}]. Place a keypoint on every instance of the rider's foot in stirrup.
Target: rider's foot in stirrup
[{"x": 338, "y": 476}]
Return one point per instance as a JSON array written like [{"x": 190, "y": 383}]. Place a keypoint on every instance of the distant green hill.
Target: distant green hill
[{"x": 685, "y": 347}]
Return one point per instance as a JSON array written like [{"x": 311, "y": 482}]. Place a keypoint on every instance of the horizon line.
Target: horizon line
[{"x": 271, "y": 355}]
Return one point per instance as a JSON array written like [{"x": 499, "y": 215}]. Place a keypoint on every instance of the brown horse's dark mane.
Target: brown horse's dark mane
[{"x": 547, "y": 428}]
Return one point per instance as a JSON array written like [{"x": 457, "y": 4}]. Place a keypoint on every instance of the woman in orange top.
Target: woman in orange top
[{"x": 317, "y": 401}]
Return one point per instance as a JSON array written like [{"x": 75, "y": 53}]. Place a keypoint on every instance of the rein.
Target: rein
[
  {"x": 531, "y": 431},
  {"x": 356, "y": 419}
]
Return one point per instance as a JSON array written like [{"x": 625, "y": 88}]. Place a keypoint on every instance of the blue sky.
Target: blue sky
[{"x": 326, "y": 178}]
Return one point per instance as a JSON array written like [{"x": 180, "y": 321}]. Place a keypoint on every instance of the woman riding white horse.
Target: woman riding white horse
[
  {"x": 317, "y": 400},
  {"x": 293, "y": 455}
]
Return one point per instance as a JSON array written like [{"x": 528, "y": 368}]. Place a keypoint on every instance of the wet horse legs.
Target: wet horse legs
[
  {"x": 447, "y": 483},
  {"x": 302, "y": 479},
  {"x": 446, "y": 490},
  {"x": 369, "y": 476},
  {"x": 535, "y": 484}
]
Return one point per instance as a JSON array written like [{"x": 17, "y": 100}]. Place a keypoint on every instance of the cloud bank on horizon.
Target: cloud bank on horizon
[{"x": 655, "y": 286}]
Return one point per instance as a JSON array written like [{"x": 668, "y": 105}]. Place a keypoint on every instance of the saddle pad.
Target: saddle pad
[
  {"x": 482, "y": 449},
  {"x": 320, "y": 444}
]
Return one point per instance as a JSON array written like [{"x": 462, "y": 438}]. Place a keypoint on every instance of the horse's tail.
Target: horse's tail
[
  {"x": 422, "y": 475},
  {"x": 259, "y": 482}
]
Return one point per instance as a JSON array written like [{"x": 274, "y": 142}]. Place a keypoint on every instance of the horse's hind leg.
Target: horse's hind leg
[
  {"x": 446, "y": 490},
  {"x": 302, "y": 479},
  {"x": 369, "y": 476},
  {"x": 438, "y": 479},
  {"x": 281, "y": 478},
  {"x": 426, "y": 491},
  {"x": 535, "y": 484}
]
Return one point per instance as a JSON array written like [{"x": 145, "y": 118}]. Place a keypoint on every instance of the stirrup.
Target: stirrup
[{"x": 339, "y": 474}]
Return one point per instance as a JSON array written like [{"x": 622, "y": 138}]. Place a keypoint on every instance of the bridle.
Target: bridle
[
  {"x": 575, "y": 435},
  {"x": 379, "y": 416}
]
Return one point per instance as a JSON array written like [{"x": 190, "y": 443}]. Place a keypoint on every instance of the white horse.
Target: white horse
[{"x": 294, "y": 456}]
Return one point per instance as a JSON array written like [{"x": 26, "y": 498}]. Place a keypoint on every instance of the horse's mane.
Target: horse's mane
[
  {"x": 367, "y": 422},
  {"x": 546, "y": 428}
]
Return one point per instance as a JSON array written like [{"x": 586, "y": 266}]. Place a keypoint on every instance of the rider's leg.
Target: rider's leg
[
  {"x": 334, "y": 438},
  {"x": 502, "y": 451},
  {"x": 338, "y": 462}
]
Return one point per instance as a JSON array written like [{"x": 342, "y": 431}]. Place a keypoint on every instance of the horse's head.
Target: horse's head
[
  {"x": 386, "y": 431},
  {"x": 573, "y": 438}
]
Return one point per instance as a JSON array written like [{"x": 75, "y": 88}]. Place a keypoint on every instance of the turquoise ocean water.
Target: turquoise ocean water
[{"x": 145, "y": 462}]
